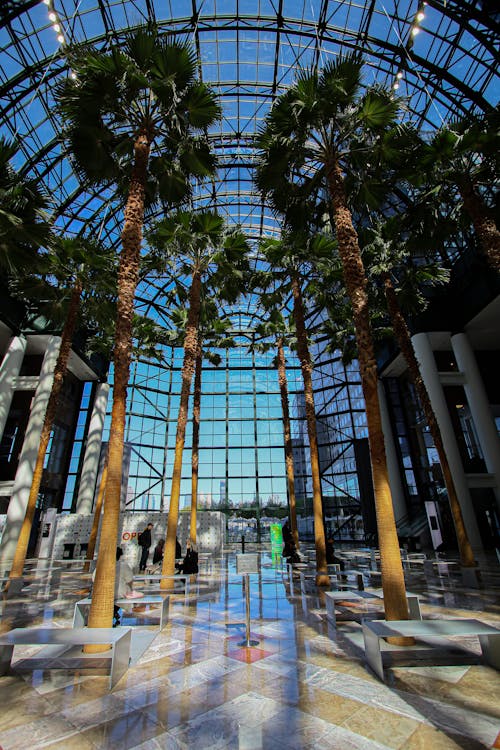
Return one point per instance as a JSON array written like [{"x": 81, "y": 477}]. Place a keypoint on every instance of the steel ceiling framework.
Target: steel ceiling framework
[{"x": 249, "y": 51}]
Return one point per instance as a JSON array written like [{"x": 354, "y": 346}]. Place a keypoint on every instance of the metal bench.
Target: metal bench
[
  {"x": 159, "y": 601},
  {"x": 157, "y": 578},
  {"x": 118, "y": 638},
  {"x": 343, "y": 577},
  {"x": 332, "y": 597},
  {"x": 375, "y": 630}
]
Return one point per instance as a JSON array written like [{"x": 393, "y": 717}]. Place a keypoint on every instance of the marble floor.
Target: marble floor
[{"x": 304, "y": 685}]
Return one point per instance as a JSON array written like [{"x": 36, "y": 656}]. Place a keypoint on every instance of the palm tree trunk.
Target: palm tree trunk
[
  {"x": 101, "y": 609},
  {"x": 190, "y": 349},
  {"x": 290, "y": 474},
  {"x": 97, "y": 517},
  {"x": 406, "y": 346},
  {"x": 322, "y": 578},
  {"x": 485, "y": 226},
  {"x": 393, "y": 582},
  {"x": 196, "y": 443},
  {"x": 59, "y": 373}
]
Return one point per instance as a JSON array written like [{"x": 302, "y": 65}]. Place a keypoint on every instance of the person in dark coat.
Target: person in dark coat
[
  {"x": 145, "y": 544},
  {"x": 158, "y": 552},
  {"x": 331, "y": 557},
  {"x": 190, "y": 563},
  {"x": 289, "y": 549}
]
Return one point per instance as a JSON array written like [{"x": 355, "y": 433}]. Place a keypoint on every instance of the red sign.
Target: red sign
[{"x": 127, "y": 536}]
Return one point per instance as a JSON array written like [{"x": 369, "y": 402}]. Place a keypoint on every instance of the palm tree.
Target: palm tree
[
  {"x": 463, "y": 156},
  {"x": 286, "y": 258},
  {"x": 148, "y": 338},
  {"x": 97, "y": 517},
  {"x": 276, "y": 328},
  {"x": 318, "y": 133},
  {"x": 391, "y": 271},
  {"x": 78, "y": 264},
  {"x": 212, "y": 333},
  {"x": 120, "y": 104},
  {"x": 402, "y": 280},
  {"x": 24, "y": 227},
  {"x": 194, "y": 245}
]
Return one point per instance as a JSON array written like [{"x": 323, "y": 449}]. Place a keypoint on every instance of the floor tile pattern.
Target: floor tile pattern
[{"x": 304, "y": 685}]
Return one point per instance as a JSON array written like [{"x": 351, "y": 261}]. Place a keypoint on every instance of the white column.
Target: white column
[
  {"x": 24, "y": 474},
  {"x": 90, "y": 465},
  {"x": 393, "y": 467},
  {"x": 478, "y": 404},
  {"x": 9, "y": 370},
  {"x": 430, "y": 377}
]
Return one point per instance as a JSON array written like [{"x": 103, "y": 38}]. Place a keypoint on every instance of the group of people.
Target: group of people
[
  {"x": 290, "y": 549},
  {"x": 188, "y": 565},
  {"x": 125, "y": 575}
]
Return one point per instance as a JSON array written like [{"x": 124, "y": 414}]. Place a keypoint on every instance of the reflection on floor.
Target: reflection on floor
[{"x": 304, "y": 685}]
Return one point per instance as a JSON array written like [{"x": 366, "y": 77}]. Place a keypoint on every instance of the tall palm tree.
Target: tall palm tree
[
  {"x": 97, "y": 517},
  {"x": 464, "y": 155},
  {"x": 212, "y": 334},
  {"x": 77, "y": 264},
  {"x": 121, "y": 104},
  {"x": 318, "y": 133},
  {"x": 275, "y": 327},
  {"x": 287, "y": 258},
  {"x": 148, "y": 336},
  {"x": 402, "y": 283},
  {"x": 194, "y": 245},
  {"x": 24, "y": 225}
]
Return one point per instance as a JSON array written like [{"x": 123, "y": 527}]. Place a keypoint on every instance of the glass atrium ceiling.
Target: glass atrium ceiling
[{"x": 442, "y": 56}]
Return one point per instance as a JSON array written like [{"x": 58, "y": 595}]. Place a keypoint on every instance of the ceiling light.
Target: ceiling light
[
  {"x": 46, "y": 2},
  {"x": 60, "y": 39},
  {"x": 56, "y": 27},
  {"x": 399, "y": 75},
  {"x": 73, "y": 75},
  {"x": 420, "y": 15},
  {"x": 415, "y": 30},
  {"x": 396, "y": 86},
  {"x": 52, "y": 17}
]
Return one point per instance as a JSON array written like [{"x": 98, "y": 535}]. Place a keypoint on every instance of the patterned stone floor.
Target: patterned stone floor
[{"x": 304, "y": 685}]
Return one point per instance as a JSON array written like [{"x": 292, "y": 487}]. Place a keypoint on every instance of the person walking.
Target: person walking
[{"x": 144, "y": 541}]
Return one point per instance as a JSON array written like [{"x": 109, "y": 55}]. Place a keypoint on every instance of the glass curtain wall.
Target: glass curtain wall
[{"x": 241, "y": 453}]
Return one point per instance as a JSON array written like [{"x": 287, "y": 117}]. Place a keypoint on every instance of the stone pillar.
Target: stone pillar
[
  {"x": 393, "y": 466},
  {"x": 430, "y": 375},
  {"x": 480, "y": 409},
  {"x": 90, "y": 465},
  {"x": 9, "y": 370},
  {"x": 24, "y": 474}
]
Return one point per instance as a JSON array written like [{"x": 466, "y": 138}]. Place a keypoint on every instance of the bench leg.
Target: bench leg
[
  {"x": 373, "y": 653},
  {"x": 490, "y": 646},
  {"x": 330, "y": 611},
  {"x": 361, "y": 585},
  {"x": 164, "y": 612},
  {"x": 78, "y": 618},
  {"x": 5, "y": 658},
  {"x": 302, "y": 584},
  {"x": 414, "y": 608},
  {"x": 120, "y": 658}
]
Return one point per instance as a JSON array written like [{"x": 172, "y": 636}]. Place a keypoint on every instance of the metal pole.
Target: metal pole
[{"x": 247, "y": 642}]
